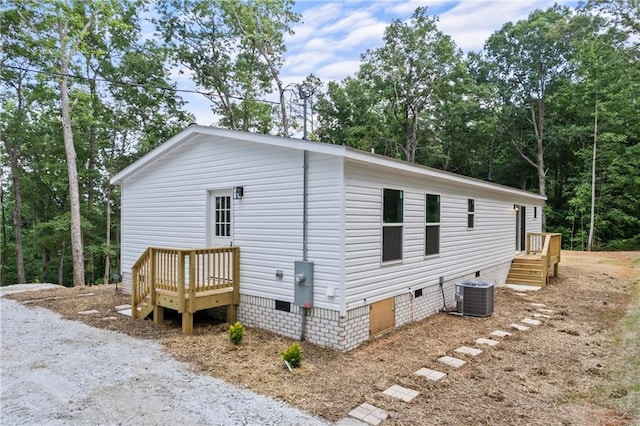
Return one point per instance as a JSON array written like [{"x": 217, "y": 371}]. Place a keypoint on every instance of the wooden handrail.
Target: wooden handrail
[
  {"x": 548, "y": 246},
  {"x": 186, "y": 272},
  {"x": 140, "y": 280}
]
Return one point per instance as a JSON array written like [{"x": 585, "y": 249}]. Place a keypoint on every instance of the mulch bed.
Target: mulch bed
[{"x": 565, "y": 371}]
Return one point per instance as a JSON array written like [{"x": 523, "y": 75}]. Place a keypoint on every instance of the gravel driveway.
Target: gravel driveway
[{"x": 59, "y": 372}]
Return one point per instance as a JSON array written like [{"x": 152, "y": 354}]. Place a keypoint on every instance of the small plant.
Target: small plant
[
  {"x": 292, "y": 355},
  {"x": 236, "y": 333}
]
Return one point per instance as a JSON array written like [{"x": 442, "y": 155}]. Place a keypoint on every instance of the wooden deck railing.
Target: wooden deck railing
[
  {"x": 548, "y": 246},
  {"x": 187, "y": 272}
]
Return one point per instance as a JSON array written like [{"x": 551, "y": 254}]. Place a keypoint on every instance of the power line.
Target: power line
[{"x": 140, "y": 85}]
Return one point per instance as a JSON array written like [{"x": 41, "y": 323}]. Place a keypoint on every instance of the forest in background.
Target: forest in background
[{"x": 550, "y": 105}]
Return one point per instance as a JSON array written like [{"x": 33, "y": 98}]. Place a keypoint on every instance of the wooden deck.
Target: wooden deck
[
  {"x": 539, "y": 262},
  {"x": 187, "y": 281}
]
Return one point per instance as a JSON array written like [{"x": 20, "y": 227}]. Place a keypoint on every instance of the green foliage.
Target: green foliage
[
  {"x": 414, "y": 97},
  {"x": 629, "y": 244},
  {"x": 236, "y": 333},
  {"x": 113, "y": 125},
  {"x": 293, "y": 355},
  {"x": 235, "y": 51}
]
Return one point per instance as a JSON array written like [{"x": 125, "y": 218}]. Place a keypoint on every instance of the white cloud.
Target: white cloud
[
  {"x": 470, "y": 23},
  {"x": 338, "y": 70},
  {"x": 355, "y": 20},
  {"x": 302, "y": 62},
  {"x": 408, "y": 7},
  {"x": 333, "y": 34},
  {"x": 372, "y": 34}
]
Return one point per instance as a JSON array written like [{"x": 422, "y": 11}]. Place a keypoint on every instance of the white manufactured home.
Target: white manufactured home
[{"x": 336, "y": 244}]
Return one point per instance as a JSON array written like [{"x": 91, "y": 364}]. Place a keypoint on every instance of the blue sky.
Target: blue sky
[{"x": 332, "y": 35}]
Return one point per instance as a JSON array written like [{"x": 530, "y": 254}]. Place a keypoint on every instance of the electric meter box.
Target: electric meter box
[{"x": 303, "y": 283}]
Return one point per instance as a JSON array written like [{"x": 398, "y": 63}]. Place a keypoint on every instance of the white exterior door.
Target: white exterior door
[{"x": 220, "y": 218}]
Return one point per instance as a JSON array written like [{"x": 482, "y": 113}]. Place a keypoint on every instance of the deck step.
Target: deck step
[
  {"x": 517, "y": 276},
  {"x": 525, "y": 271}
]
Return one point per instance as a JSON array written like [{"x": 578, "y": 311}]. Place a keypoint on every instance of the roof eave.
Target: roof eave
[{"x": 403, "y": 166}]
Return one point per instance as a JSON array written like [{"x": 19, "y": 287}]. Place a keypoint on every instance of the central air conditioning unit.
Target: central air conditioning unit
[{"x": 475, "y": 298}]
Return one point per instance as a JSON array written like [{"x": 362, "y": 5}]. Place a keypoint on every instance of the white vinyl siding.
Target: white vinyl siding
[
  {"x": 165, "y": 204},
  {"x": 165, "y": 198},
  {"x": 461, "y": 252}
]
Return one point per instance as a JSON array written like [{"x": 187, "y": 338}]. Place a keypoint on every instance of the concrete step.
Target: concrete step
[{"x": 529, "y": 281}]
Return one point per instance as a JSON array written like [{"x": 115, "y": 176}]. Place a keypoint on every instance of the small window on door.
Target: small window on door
[
  {"x": 471, "y": 209},
  {"x": 223, "y": 216}
]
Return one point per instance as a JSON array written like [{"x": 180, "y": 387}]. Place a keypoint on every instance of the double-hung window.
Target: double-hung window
[
  {"x": 392, "y": 221},
  {"x": 432, "y": 225},
  {"x": 471, "y": 208}
]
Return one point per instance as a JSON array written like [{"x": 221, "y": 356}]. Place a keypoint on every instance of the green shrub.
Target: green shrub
[
  {"x": 236, "y": 333},
  {"x": 293, "y": 355}
]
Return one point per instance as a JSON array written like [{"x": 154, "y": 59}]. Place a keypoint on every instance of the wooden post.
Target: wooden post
[
  {"x": 187, "y": 323},
  {"x": 153, "y": 278},
  {"x": 232, "y": 310},
  {"x": 181, "y": 298},
  {"x": 158, "y": 314},
  {"x": 192, "y": 281},
  {"x": 134, "y": 292}
]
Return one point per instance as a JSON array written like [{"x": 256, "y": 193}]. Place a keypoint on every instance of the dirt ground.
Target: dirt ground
[{"x": 581, "y": 367}]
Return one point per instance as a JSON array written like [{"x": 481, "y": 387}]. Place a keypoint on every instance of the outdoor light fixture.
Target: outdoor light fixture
[
  {"x": 516, "y": 208},
  {"x": 238, "y": 192}
]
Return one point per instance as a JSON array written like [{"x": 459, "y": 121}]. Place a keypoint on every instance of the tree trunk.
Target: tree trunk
[
  {"x": 91, "y": 166},
  {"x": 3, "y": 253},
  {"x": 45, "y": 264},
  {"x": 17, "y": 216},
  {"x": 61, "y": 264},
  {"x": 72, "y": 170},
  {"x": 13, "y": 151},
  {"x": 591, "y": 241}
]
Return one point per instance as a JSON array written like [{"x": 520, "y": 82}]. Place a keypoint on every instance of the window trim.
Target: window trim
[
  {"x": 392, "y": 225},
  {"x": 428, "y": 224},
  {"x": 471, "y": 212}
]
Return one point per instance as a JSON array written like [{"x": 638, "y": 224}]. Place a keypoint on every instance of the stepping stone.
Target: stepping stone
[
  {"x": 122, "y": 307},
  {"x": 519, "y": 327},
  {"x": 530, "y": 321},
  {"x": 350, "y": 421},
  {"x": 483, "y": 341},
  {"x": 452, "y": 362},
  {"x": 536, "y": 315},
  {"x": 546, "y": 311},
  {"x": 126, "y": 312},
  {"x": 369, "y": 414},
  {"x": 90, "y": 312},
  {"x": 500, "y": 333},
  {"x": 405, "y": 394},
  {"x": 522, "y": 288},
  {"x": 109, "y": 318},
  {"x": 468, "y": 351},
  {"x": 539, "y": 305},
  {"x": 86, "y": 294},
  {"x": 432, "y": 375}
]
